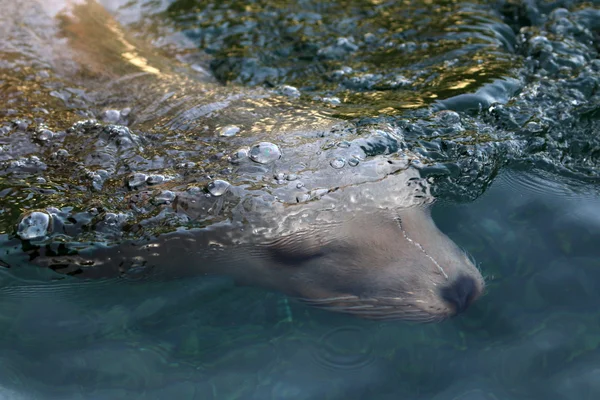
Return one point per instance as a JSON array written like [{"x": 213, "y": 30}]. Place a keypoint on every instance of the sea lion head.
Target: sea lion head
[
  {"x": 384, "y": 265},
  {"x": 373, "y": 250},
  {"x": 368, "y": 247}
]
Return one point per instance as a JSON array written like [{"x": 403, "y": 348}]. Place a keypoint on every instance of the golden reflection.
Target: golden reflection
[
  {"x": 413, "y": 105},
  {"x": 99, "y": 44},
  {"x": 462, "y": 85},
  {"x": 140, "y": 62},
  {"x": 131, "y": 55},
  {"x": 185, "y": 114},
  {"x": 474, "y": 69}
]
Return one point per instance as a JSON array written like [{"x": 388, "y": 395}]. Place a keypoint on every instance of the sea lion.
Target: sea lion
[{"x": 344, "y": 227}]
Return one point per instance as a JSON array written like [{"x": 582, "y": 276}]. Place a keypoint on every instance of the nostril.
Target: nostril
[{"x": 460, "y": 293}]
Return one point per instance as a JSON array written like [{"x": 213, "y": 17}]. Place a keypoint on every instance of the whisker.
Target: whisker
[
  {"x": 373, "y": 309},
  {"x": 327, "y": 300}
]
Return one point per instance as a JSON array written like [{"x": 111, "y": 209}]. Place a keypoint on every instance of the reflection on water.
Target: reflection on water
[
  {"x": 377, "y": 56},
  {"x": 182, "y": 92},
  {"x": 534, "y": 334}
]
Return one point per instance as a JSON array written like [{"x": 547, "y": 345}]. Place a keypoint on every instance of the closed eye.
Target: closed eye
[{"x": 296, "y": 257}]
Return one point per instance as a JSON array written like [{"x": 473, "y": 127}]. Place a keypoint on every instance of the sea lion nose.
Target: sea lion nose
[{"x": 460, "y": 293}]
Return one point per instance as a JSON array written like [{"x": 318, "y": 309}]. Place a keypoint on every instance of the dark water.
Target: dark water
[
  {"x": 498, "y": 99},
  {"x": 535, "y": 334}
]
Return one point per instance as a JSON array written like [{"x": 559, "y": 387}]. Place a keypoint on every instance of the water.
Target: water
[
  {"x": 533, "y": 335},
  {"x": 279, "y": 103}
]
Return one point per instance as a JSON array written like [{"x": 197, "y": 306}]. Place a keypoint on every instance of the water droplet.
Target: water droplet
[
  {"x": 61, "y": 153},
  {"x": 136, "y": 180},
  {"x": 289, "y": 91},
  {"x": 345, "y": 144},
  {"x": 338, "y": 163},
  {"x": 229, "y": 130},
  {"x": 218, "y": 187},
  {"x": 186, "y": 165},
  {"x": 41, "y": 180},
  {"x": 111, "y": 116},
  {"x": 264, "y": 153},
  {"x": 34, "y": 225},
  {"x": 155, "y": 179},
  {"x": 300, "y": 185},
  {"x": 44, "y": 135},
  {"x": 165, "y": 197},
  {"x": 238, "y": 156},
  {"x": 304, "y": 197},
  {"x": 113, "y": 219},
  {"x": 328, "y": 145},
  {"x": 292, "y": 177},
  {"x": 353, "y": 162},
  {"x": 332, "y": 100}
]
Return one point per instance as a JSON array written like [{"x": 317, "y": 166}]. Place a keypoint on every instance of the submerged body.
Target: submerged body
[{"x": 345, "y": 226}]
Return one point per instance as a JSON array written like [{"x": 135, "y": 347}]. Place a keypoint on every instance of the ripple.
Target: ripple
[
  {"x": 10, "y": 373},
  {"x": 545, "y": 183},
  {"x": 344, "y": 348}
]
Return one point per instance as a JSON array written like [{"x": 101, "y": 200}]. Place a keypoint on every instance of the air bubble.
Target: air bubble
[
  {"x": 338, "y": 163},
  {"x": 136, "y": 180},
  {"x": 43, "y": 135},
  {"x": 155, "y": 179},
  {"x": 111, "y": 116},
  {"x": 229, "y": 131},
  {"x": 218, "y": 187},
  {"x": 289, "y": 91},
  {"x": 264, "y": 153},
  {"x": 165, "y": 197},
  {"x": 34, "y": 225}
]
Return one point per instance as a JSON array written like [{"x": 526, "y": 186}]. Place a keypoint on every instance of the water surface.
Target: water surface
[{"x": 498, "y": 100}]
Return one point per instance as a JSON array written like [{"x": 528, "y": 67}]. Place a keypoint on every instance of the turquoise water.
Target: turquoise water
[{"x": 534, "y": 335}]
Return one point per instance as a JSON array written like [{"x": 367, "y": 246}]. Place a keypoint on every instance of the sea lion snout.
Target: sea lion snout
[
  {"x": 378, "y": 265},
  {"x": 461, "y": 293}
]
